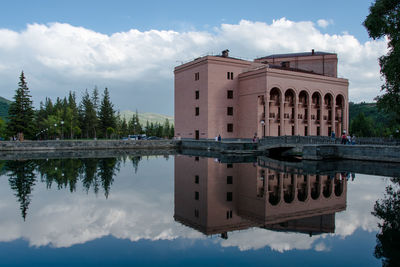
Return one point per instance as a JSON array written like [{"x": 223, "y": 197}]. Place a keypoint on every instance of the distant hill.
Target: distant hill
[
  {"x": 4, "y": 105},
  {"x": 369, "y": 110},
  {"x": 146, "y": 116}
]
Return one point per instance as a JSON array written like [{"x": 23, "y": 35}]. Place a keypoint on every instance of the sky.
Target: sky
[{"x": 132, "y": 47}]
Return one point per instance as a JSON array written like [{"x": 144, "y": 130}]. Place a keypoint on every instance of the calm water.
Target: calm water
[{"x": 184, "y": 210}]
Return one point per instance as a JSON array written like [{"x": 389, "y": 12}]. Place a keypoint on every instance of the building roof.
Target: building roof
[{"x": 302, "y": 54}]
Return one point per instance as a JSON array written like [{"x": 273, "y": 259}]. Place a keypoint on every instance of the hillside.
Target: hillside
[
  {"x": 146, "y": 116},
  {"x": 370, "y": 110},
  {"x": 4, "y": 105}
]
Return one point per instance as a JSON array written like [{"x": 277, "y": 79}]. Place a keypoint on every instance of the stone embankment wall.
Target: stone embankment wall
[
  {"x": 50, "y": 145},
  {"x": 295, "y": 139},
  {"x": 356, "y": 152},
  {"x": 240, "y": 147}
]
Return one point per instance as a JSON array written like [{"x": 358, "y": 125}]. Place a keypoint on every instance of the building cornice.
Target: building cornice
[
  {"x": 212, "y": 59},
  {"x": 292, "y": 74}
]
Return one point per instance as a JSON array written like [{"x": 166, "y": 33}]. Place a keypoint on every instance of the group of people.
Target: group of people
[
  {"x": 218, "y": 138},
  {"x": 348, "y": 139}
]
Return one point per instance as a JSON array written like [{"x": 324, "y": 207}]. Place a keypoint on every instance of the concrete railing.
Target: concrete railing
[
  {"x": 310, "y": 140},
  {"x": 49, "y": 145}
]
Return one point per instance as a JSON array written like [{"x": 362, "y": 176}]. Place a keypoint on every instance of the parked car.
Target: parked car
[{"x": 153, "y": 138}]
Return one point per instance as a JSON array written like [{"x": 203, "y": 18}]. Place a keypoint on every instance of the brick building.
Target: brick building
[{"x": 285, "y": 94}]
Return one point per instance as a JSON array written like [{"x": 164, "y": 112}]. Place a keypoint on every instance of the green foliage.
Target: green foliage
[
  {"x": 88, "y": 116},
  {"x": 388, "y": 211},
  {"x": 373, "y": 122},
  {"x": 65, "y": 119},
  {"x": 106, "y": 115},
  {"x": 362, "y": 126},
  {"x": 3, "y": 128},
  {"x": 4, "y": 106},
  {"x": 383, "y": 21},
  {"x": 21, "y": 113}
]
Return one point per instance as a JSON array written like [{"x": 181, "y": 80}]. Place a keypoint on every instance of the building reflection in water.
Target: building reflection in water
[{"x": 215, "y": 198}]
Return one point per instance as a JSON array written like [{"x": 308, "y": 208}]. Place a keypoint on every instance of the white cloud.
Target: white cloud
[
  {"x": 138, "y": 66},
  {"x": 323, "y": 23}
]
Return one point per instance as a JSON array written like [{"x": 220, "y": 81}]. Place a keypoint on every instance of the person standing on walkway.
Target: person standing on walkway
[{"x": 344, "y": 138}]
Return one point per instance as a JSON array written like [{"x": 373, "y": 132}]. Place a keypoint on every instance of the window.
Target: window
[
  {"x": 229, "y": 214},
  {"x": 229, "y": 180},
  {"x": 196, "y": 179},
  {"x": 305, "y": 130},
  {"x": 229, "y": 196},
  {"x": 229, "y": 165},
  {"x": 230, "y": 127},
  {"x": 230, "y": 111},
  {"x": 196, "y": 158},
  {"x": 230, "y": 94},
  {"x": 197, "y": 95},
  {"x": 196, "y": 76},
  {"x": 285, "y": 64},
  {"x": 196, "y": 195},
  {"x": 229, "y": 75},
  {"x": 197, "y": 111},
  {"x": 196, "y": 213}
]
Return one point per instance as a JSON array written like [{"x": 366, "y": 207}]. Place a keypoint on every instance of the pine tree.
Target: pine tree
[
  {"x": 21, "y": 114},
  {"x": 88, "y": 116},
  {"x": 106, "y": 114},
  {"x": 72, "y": 117}
]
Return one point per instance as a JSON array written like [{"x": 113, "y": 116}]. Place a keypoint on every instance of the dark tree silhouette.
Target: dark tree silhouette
[
  {"x": 22, "y": 179},
  {"x": 388, "y": 239}
]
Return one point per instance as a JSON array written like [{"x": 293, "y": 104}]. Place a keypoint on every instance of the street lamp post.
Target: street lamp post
[
  {"x": 134, "y": 130},
  {"x": 55, "y": 131},
  {"x": 263, "y": 127},
  {"x": 62, "y": 129}
]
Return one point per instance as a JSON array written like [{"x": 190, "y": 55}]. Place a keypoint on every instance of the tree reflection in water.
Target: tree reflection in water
[
  {"x": 388, "y": 239},
  {"x": 22, "y": 179},
  {"x": 94, "y": 173}
]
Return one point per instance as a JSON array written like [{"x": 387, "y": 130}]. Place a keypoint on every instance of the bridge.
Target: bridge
[{"x": 323, "y": 147}]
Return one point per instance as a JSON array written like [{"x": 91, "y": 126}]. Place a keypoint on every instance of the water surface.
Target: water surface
[{"x": 176, "y": 210}]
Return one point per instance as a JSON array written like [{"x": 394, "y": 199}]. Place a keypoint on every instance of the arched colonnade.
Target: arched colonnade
[{"x": 288, "y": 112}]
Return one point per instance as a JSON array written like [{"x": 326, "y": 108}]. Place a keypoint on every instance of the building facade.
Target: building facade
[{"x": 286, "y": 94}]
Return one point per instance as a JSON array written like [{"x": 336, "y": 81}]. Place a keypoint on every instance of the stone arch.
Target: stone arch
[
  {"x": 327, "y": 187},
  {"x": 290, "y": 95},
  {"x": 275, "y": 109},
  {"x": 289, "y": 190},
  {"x": 316, "y": 188},
  {"x": 302, "y": 189},
  {"x": 339, "y": 113},
  {"x": 274, "y": 192},
  {"x": 339, "y": 185},
  {"x": 328, "y": 100},
  {"x": 275, "y": 95},
  {"x": 340, "y": 100},
  {"x": 316, "y": 98},
  {"x": 303, "y": 112},
  {"x": 304, "y": 98}
]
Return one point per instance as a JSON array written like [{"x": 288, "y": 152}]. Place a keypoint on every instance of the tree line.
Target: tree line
[
  {"x": 93, "y": 117},
  {"x": 367, "y": 120}
]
